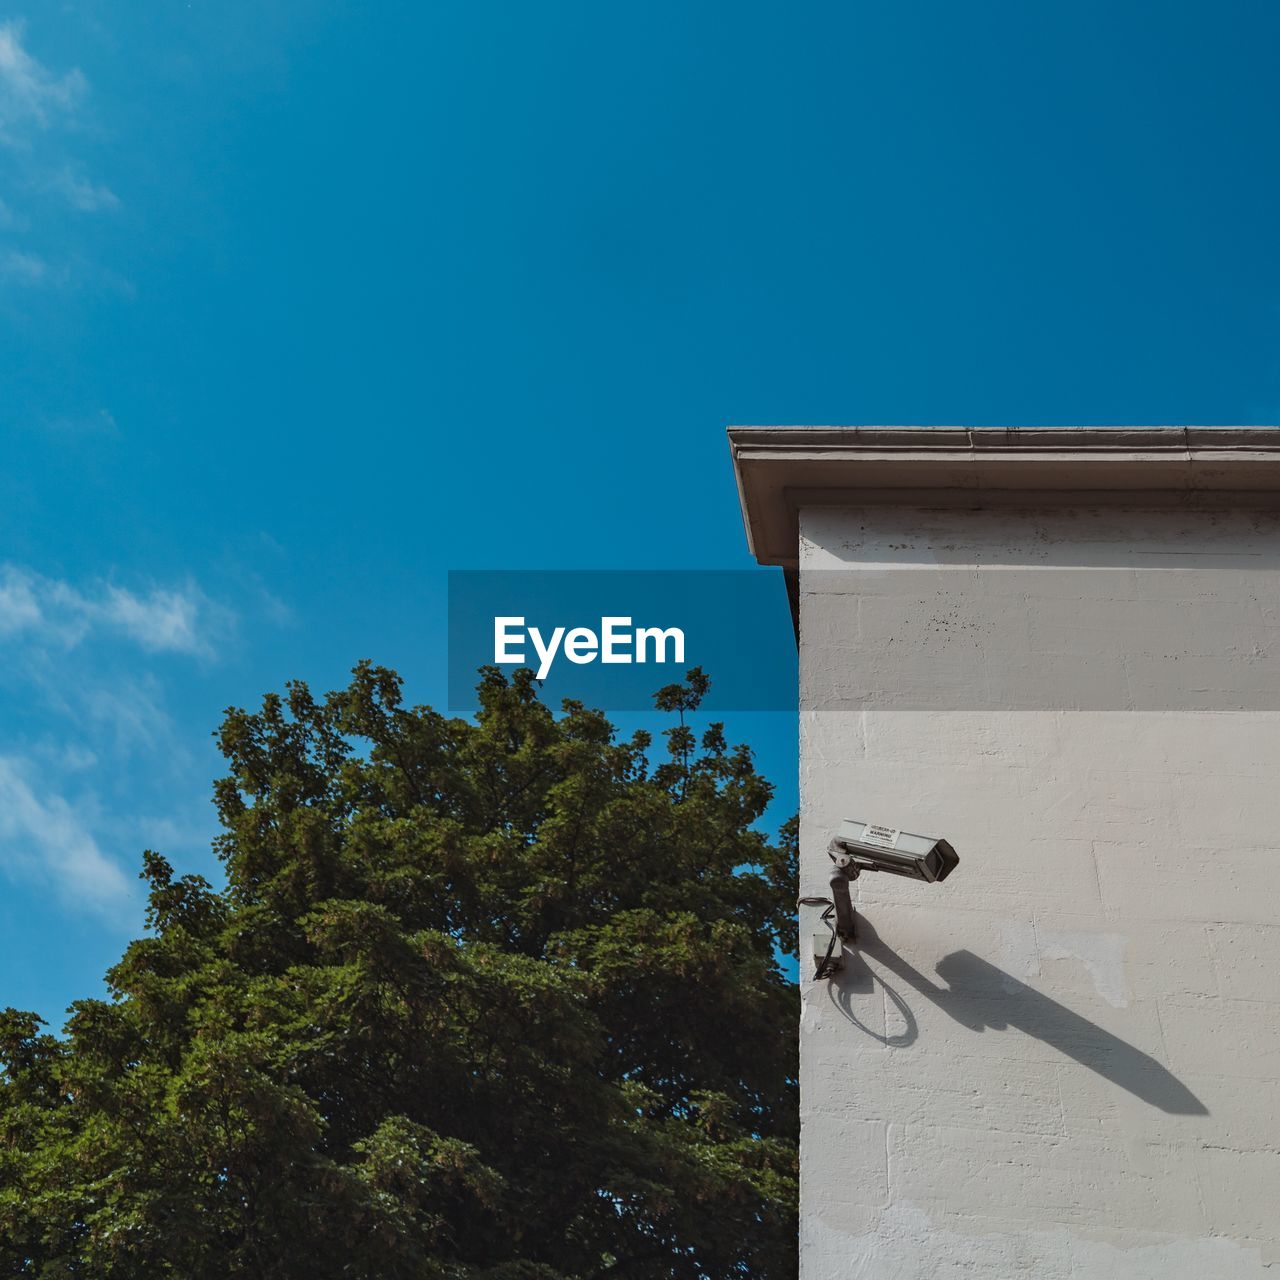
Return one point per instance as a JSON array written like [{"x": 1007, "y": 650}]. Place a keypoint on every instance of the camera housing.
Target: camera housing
[{"x": 867, "y": 846}]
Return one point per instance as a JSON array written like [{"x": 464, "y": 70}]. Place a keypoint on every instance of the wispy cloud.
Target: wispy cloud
[
  {"x": 80, "y": 687},
  {"x": 116, "y": 714},
  {"x": 42, "y": 113},
  {"x": 100, "y": 757},
  {"x": 101, "y": 423},
  {"x": 42, "y": 838},
  {"x": 160, "y": 619},
  {"x": 26, "y": 268},
  {"x": 32, "y": 96},
  {"x": 130, "y": 712},
  {"x": 80, "y": 193},
  {"x": 19, "y": 608}
]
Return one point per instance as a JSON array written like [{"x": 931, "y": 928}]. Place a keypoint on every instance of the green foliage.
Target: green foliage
[{"x": 491, "y": 1000}]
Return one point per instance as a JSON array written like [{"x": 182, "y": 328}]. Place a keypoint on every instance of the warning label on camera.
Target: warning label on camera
[{"x": 885, "y": 837}]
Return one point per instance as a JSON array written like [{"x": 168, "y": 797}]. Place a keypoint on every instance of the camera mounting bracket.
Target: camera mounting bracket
[{"x": 842, "y": 876}]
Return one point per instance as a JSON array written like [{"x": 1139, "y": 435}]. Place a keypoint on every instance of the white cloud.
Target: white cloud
[
  {"x": 19, "y": 609},
  {"x": 27, "y": 268},
  {"x": 82, "y": 194},
  {"x": 41, "y": 112},
  {"x": 30, "y": 94},
  {"x": 95, "y": 767},
  {"x": 160, "y": 620},
  {"x": 102, "y": 423},
  {"x": 42, "y": 838},
  {"x": 127, "y": 712},
  {"x": 75, "y": 758}
]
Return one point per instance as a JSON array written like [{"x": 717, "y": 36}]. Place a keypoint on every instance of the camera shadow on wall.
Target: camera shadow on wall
[{"x": 982, "y": 997}]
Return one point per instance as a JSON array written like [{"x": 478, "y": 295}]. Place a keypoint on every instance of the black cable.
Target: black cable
[{"x": 825, "y": 968}]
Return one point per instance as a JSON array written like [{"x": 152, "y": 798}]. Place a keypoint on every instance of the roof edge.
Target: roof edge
[{"x": 779, "y": 469}]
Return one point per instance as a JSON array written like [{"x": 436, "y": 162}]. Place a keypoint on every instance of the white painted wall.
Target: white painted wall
[{"x": 1064, "y": 1061}]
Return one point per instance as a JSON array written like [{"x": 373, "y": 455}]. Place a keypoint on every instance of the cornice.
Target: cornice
[{"x": 781, "y": 469}]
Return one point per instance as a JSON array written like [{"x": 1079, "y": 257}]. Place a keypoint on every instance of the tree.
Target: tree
[{"x": 494, "y": 1000}]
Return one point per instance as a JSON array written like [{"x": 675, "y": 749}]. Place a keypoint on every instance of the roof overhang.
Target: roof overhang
[{"x": 782, "y": 469}]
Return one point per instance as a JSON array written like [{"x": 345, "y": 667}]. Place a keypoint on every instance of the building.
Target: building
[{"x": 1059, "y": 650}]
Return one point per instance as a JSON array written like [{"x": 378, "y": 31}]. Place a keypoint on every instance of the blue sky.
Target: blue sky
[{"x": 302, "y": 305}]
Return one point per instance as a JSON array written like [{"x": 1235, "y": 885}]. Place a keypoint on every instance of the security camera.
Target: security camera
[{"x": 868, "y": 846}]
